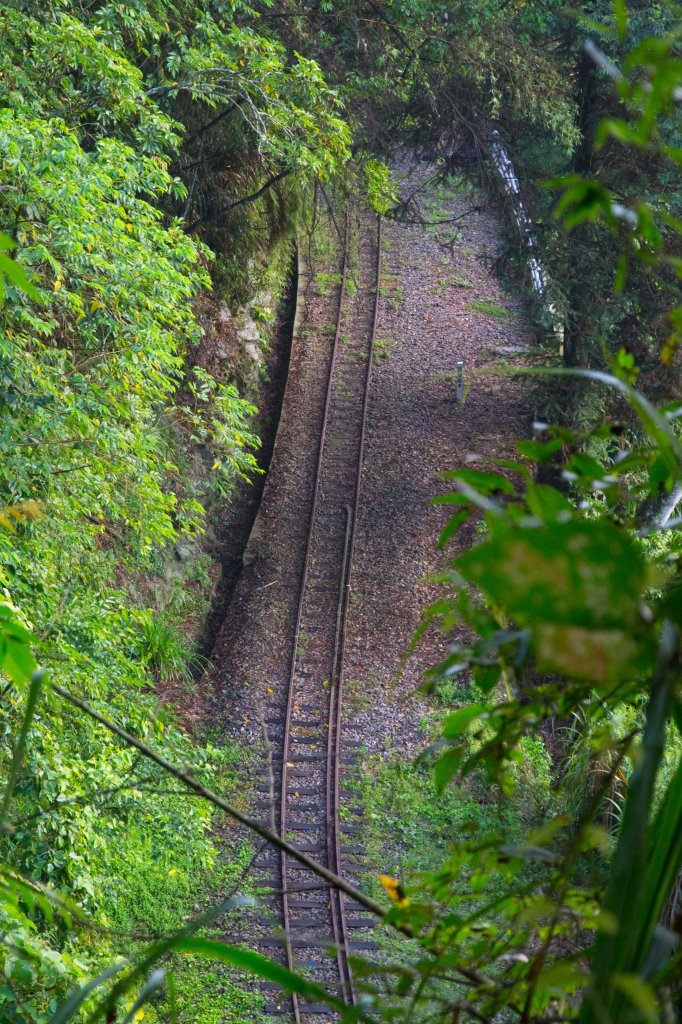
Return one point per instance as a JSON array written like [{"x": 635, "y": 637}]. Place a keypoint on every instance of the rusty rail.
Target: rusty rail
[{"x": 342, "y": 573}]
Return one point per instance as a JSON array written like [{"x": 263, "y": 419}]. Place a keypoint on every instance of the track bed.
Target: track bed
[{"x": 304, "y": 786}]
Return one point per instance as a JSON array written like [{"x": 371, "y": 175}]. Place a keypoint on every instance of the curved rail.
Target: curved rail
[
  {"x": 337, "y": 690},
  {"x": 333, "y": 753}
]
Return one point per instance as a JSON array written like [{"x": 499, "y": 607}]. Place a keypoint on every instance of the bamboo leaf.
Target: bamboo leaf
[
  {"x": 254, "y": 963},
  {"x": 70, "y": 1008},
  {"x": 20, "y": 747}
]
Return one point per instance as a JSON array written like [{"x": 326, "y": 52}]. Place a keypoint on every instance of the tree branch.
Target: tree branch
[
  {"x": 219, "y": 801},
  {"x": 234, "y": 105},
  {"x": 247, "y": 199}
]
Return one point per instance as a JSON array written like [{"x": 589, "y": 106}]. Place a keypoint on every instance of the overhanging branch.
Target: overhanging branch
[
  {"x": 470, "y": 976},
  {"x": 247, "y": 199},
  {"x": 234, "y": 105}
]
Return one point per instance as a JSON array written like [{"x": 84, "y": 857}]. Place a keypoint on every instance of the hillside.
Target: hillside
[{"x": 339, "y": 543}]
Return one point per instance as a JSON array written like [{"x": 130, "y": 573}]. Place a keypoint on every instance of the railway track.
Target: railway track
[{"x": 310, "y": 758}]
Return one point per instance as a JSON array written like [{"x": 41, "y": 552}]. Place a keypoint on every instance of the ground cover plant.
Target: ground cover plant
[{"x": 144, "y": 145}]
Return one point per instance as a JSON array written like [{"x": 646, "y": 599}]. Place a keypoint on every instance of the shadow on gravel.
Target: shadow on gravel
[{"x": 236, "y": 521}]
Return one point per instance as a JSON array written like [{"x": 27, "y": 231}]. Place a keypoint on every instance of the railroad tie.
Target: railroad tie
[
  {"x": 318, "y": 886},
  {"x": 311, "y": 942},
  {"x": 304, "y": 923},
  {"x": 267, "y": 920},
  {"x": 318, "y": 651},
  {"x": 307, "y": 905}
]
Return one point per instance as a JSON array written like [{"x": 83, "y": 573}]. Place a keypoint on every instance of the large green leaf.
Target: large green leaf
[
  {"x": 581, "y": 572},
  {"x": 602, "y": 655},
  {"x": 663, "y": 868},
  {"x": 20, "y": 746},
  {"x": 645, "y": 862},
  {"x": 16, "y": 657},
  {"x": 68, "y": 1010},
  {"x": 577, "y": 584}
]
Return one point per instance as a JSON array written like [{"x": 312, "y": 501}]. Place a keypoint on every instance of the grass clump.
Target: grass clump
[
  {"x": 167, "y": 650},
  {"x": 382, "y": 349},
  {"x": 488, "y": 307},
  {"x": 325, "y": 283}
]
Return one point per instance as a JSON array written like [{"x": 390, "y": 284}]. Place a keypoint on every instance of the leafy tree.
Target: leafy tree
[{"x": 102, "y": 410}]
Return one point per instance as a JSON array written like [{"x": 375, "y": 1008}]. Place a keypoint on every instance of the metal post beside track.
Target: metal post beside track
[{"x": 460, "y": 379}]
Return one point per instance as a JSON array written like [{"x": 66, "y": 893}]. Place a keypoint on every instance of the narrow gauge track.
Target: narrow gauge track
[{"x": 314, "y": 756}]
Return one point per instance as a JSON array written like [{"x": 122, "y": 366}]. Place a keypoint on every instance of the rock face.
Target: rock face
[
  {"x": 252, "y": 333},
  {"x": 247, "y": 328},
  {"x": 250, "y": 356}
]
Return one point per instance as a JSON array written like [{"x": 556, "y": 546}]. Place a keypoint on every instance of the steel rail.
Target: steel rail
[
  {"x": 332, "y": 781},
  {"x": 349, "y": 551},
  {"x": 332, "y": 803},
  {"x": 299, "y": 610}
]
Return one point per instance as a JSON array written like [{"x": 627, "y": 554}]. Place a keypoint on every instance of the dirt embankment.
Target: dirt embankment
[{"x": 205, "y": 570}]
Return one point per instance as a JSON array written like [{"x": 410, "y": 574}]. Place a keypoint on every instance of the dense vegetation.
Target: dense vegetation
[
  {"x": 154, "y": 151},
  {"x": 118, "y": 432}
]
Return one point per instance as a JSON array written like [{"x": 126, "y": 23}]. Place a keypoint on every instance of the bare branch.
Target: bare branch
[
  {"x": 241, "y": 202},
  {"x": 219, "y": 801}
]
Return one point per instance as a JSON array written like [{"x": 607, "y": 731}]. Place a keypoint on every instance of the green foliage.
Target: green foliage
[
  {"x": 287, "y": 104},
  {"x": 165, "y": 650},
  {"x": 407, "y": 829},
  {"x": 12, "y": 272},
  {"x": 115, "y": 433},
  {"x": 381, "y": 187},
  {"x": 205, "y": 995},
  {"x": 117, "y": 285},
  {"x": 566, "y": 609},
  {"x": 139, "y": 867}
]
